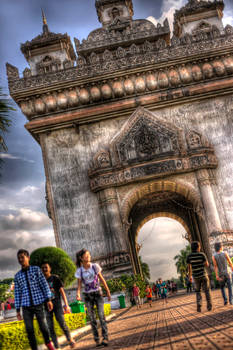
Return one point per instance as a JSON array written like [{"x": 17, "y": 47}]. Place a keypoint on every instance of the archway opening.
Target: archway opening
[
  {"x": 159, "y": 240},
  {"x": 164, "y": 199}
]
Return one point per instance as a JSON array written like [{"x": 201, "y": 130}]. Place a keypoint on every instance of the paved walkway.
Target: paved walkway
[{"x": 175, "y": 327}]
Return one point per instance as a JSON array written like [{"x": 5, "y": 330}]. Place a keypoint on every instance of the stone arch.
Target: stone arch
[
  {"x": 140, "y": 191},
  {"x": 164, "y": 198}
]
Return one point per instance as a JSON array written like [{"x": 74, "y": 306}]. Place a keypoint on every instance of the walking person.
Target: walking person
[
  {"x": 3, "y": 309},
  {"x": 149, "y": 294},
  {"x": 154, "y": 289},
  {"x": 188, "y": 284},
  {"x": 197, "y": 261},
  {"x": 57, "y": 291},
  {"x": 158, "y": 289},
  {"x": 90, "y": 274},
  {"x": 163, "y": 290},
  {"x": 31, "y": 292},
  {"x": 221, "y": 260},
  {"x": 136, "y": 295}
]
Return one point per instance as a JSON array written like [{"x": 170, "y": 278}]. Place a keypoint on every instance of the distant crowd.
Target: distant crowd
[{"x": 159, "y": 290}]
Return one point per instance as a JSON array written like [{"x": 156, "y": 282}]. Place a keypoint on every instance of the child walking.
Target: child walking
[
  {"x": 57, "y": 291},
  {"x": 197, "y": 261},
  {"x": 89, "y": 274},
  {"x": 149, "y": 294},
  {"x": 136, "y": 295}
]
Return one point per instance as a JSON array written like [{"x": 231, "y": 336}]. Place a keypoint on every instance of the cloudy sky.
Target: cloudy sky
[{"x": 23, "y": 218}]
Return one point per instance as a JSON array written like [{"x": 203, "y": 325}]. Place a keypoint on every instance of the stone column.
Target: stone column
[
  {"x": 117, "y": 259},
  {"x": 212, "y": 215}
]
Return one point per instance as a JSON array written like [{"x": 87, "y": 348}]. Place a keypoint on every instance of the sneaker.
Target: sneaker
[
  {"x": 98, "y": 344},
  {"x": 225, "y": 302},
  {"x": 209, "y": 307},
  {"x": 105, "y": 342},
  {"x": 198, "y": 308}
]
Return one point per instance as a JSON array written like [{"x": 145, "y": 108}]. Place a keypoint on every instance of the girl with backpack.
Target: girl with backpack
[{"x": 90, "y": 275}]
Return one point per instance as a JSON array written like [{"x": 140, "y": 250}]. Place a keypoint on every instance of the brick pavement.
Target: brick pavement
[{"x": 177, "y": 326}]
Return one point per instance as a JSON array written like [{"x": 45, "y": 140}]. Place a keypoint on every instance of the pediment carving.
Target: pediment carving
[
  {"x": 145, "y": 138},
  {"x": 147, "y": 147}
]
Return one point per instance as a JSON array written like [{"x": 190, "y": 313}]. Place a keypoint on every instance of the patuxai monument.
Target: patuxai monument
[{"x": 134, "y": 123}]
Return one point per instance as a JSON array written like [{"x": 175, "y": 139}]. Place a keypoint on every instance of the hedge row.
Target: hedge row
[{"x": 13, "y": 334}]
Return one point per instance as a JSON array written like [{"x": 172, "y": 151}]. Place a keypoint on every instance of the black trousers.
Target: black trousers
[
  {"x": 58, "y": 312},
  {"x": 28, "y": 316},
  {"x": 92, "y": 299}
]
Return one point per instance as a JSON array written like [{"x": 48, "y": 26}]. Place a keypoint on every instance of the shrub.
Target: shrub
[
  {"x": 125, "y": 282},
  {"x": 60, "y": 262},
  {"x": 116, "y": 285},
  {"x": 13, "y": 335}
]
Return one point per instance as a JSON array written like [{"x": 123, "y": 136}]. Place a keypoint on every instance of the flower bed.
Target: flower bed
[{"x": 13, "y": 334}]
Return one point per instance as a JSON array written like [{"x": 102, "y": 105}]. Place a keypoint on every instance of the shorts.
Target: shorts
[
  {"x": 149, "y": 298},
  {"x": 164, "y": 296},
  {"x": 137, "y": 300}
]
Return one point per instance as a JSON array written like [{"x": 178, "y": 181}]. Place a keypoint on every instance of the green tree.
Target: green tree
[
  {"x": 115, "y": 285},
  {"x": 5, "y": 293},
  {"x": 5, "y": 122},
  {"x": 145, "y": 269},
  {"x": 181, "y": 262},
  {"x": 60, "y": 262},
  {"x": 7, "y": 281}
]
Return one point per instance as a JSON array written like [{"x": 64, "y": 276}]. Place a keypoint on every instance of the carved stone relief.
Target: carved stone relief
[{"x": 149, "y": 148}]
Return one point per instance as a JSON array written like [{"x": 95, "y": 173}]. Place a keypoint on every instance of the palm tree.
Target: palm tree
[
  {"x": 145, "y": 269},
  {"x": 5, "y": 122},
  {"x": 181, "y": 262}
]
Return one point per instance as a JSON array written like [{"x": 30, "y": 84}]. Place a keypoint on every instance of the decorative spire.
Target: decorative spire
[{"x": 45, "y": 24}]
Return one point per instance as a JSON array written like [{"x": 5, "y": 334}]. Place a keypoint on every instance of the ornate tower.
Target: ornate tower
[
  {"x": 113, "y": 11},
  {"x": 199, "y": 17},
  {"x": 48, "y": 52}
]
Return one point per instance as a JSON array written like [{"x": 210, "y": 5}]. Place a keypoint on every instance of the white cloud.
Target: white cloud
[
  {"x": 161, "y": 239},
  {"x": 17, "y": 239},
  {"x": 28, "y": 189},
  {"x": 12, "y": 157},
  {"x": 168, "y": 10},
  {"x": 228, "y": 17},
  {"x": 25, "y": 219},
  {"x": 29, "y": 196}
]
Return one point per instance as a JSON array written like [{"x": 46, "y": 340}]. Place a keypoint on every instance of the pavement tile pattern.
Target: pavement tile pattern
[{"x": 174, "y": 326}]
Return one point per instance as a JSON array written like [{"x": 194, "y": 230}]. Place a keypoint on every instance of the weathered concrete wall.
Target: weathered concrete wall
[
  {"x": 212, "y": 118},
  {"x": 69, "y": 156}
]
